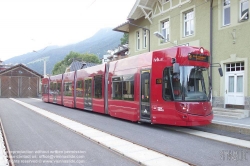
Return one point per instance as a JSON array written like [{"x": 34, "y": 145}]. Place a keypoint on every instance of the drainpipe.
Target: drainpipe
[
  {"x": 143, "y": 29},
  {"x": 211, "y": 44}
]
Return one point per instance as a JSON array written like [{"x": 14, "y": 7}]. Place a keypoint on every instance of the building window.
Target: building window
[
  {"x": 138, "y": 40},
  {"x": 98, "y": 87},
  {"x": 144, "y": 38},
  {"x": 165, "y": 30},
  {"x": 189, "y": 23},
  {"x": 239, "y": 66},
  {"x": 244, "y": 10},
  {"x": 226, "y": 12}
]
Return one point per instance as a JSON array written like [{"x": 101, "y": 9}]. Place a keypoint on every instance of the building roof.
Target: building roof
[
  {"x": 76, "y": 65},
  {"x": 22, "y": 66},
  {"x": 123, "y": 27},
  {"x": 89, "y": 64},
  {"x": 142, "y": 8},
  {"x": 121, "y": 50}
]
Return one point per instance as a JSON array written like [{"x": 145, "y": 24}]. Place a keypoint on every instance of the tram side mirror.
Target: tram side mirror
[
  {"x": 176, "y": 68},
  {"x": 220, "y": 71}
]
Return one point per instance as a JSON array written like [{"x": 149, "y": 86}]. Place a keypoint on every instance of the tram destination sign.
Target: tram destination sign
[{"x": 198, "y": 57}]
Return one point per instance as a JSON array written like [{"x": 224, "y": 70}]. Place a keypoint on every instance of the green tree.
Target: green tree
[
  {"x": 124, "y": 39},
  {"x": 61, "y": 66}
]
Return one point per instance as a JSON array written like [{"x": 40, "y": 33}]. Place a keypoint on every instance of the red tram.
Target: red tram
[{"x": 169, "y": 86}]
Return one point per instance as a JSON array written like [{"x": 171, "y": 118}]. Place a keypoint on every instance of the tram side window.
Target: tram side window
[
  {"x": 98, "y": 86},
  {"x": 128, "y": 90},
  {"x": 67, "y": 89},
  {"x": 79, "y": 88},
  {"x": 59, "y": 88},
  {"x": 54, "y": 88},
  {"x": 123, "y": 88},
  {"x": 51, "y": 87},
  {"x": 117, "y": 90}
]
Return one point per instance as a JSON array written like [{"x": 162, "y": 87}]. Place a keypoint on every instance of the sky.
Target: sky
[{"x": 27, "y": 25}]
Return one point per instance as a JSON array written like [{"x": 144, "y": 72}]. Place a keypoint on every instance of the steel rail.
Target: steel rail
[{"x": 9, "y": 155}]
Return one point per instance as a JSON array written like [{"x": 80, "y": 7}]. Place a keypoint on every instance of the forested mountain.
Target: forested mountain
[{"x": 104, "y": 40}]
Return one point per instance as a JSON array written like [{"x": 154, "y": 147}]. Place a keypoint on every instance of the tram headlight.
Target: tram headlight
[
  {"x": 201, "y": 50},
  {"x": 184, "y": 108}
]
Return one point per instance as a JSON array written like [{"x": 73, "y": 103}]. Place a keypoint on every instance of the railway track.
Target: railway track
[
  {"x": 142, "y": 155},
  {"x": 6, "y": 157}
]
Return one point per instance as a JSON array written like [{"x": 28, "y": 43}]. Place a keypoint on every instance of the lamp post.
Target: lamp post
[
  {"x": 159, "y": 35},
  {"x": 44, "y": 59}
]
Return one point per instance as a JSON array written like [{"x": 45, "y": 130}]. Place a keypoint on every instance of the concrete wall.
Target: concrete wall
[{"x": 230, "y": 44}]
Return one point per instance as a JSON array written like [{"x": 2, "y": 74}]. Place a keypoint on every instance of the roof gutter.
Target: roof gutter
[{"x": 211, "y": 41}]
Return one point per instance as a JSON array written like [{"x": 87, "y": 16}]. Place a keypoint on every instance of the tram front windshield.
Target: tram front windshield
[{"x": 191, "y": 84}]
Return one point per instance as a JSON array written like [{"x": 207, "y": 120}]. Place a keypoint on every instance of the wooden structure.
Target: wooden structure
[{"x": 19, "y": 81}]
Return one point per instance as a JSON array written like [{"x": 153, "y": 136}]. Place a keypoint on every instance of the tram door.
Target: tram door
[
  {"x": 88, "y": 94},
  {"x": 145, "y": 95},
  {"x": 54, "y": 93}
]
